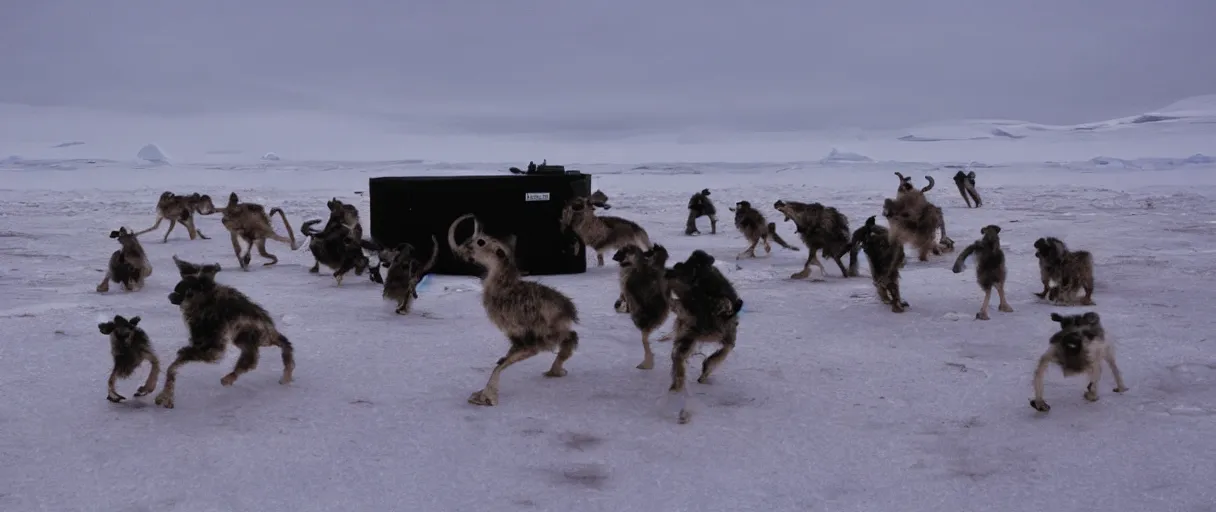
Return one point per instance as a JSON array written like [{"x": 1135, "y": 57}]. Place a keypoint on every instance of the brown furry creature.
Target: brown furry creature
[
  {"x": 885, "y": 257},
  {"x": 340, "y": 244},
  {"x": 644, "y": 293},
  {"x": 822, "y": 228},
  {"x": 181, "y": 209},
  {"x": 699, "y": 206},
  {"x": 756, "y": 229},
  {"x": 601, "y": 234},
  {"x": 251, "y": 223},
  {"x": 187, "y": 269},
  {"x": 1064, "y": 272},
  {"x": 534, "y": 317},
  {"x": 989, "y": 269},
  {"x": 1079, "y": 347},
  {"x": 599, "y": 199},
  {"x": 129, "y": 265},
  {"x": 707, "y": 310},
  {"x": 966, "y": 187},
  {"x": 405, "y": 271},
  {"x": 216, "y": 316},
  {"x": 914, "y": 220},
  {"x": 130, "y": 347}
]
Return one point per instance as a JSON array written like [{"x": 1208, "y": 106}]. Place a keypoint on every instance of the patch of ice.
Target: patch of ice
[
  {"x": 270, "y": 156},
  {"x": 68, "y": 144},
  {"x": 843, "y": 156},
  {"x": 152, "y": 153}
]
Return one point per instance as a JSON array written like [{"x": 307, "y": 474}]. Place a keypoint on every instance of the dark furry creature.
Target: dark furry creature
[
  {"x": 990, "y": 269},
  {"x": 1064, "y": 272},
  {"x": 699, "y": 205},
  {"x": 216, "y": 316},
  {"x": 250, "y": 222},
  {"x": 644, "y": 293},
  {"x": 914, "y": 220},
  {"x": 822, "y": 228},
  {"x": 340, "y": 244},
  {"x": 966, "y": 187},
  {"x": 756, "y": 229},
  {"x": 130, "y": 347},
  {"x": 181, "y": 209},
  {"x": 534, "y": 317},
  {"x": 707, "y": 310},
  {"x": 601, "y": 234},
  {"x": 129, "y": 265},
  {"x": 885, "y": 257},
  {"x": 187, "y": 269},
  {"x": 1079, "y": 347},
  {"x": 405, "y": 271}
]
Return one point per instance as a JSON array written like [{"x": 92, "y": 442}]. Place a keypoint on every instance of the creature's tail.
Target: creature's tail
[
  {"x": 772, "y": 231},
  {"x": 929, "y": 186},
  {"x": 434, "y": 257},
  {"x": 290, "y": 234},
  {"x": 307, "y": 228}
]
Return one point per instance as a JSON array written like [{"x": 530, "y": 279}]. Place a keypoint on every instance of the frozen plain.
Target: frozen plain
[{"x": 830, "y": 402}]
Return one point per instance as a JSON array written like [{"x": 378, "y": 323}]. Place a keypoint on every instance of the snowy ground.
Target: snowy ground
[{"x": 830, "y": 402}]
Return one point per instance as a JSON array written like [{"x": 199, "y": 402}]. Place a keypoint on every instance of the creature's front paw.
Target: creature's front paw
[
  {"x": 1040, "y": 405},
  {"x": 982, "y": 315},
  {"x": 227, "y": 380},
  {"x": 800, "y": 275},
  {"x": 554, "y": 374},
  {"x": 899, "y": 308},
  {"x": 1005, "y": 308},
  {"x": 103, "y": 287},
  {"x": 115, "y": 397},
  {"x": 144, "y": 390},
  {"x": 164, "y": 399},
  {"x": 484, "y": 397},
  {"x": 1120, "y": 389},
  {"x": 646, "y": 364},
  {"x": 1091, "y": 395}
]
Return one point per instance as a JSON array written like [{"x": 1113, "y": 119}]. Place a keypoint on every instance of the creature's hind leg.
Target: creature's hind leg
[
  {"x": 248, "y": 341},
  {"x": 172, "y": 224},
  {"x": 316, "y": 266},
  {"x": 767, "y": 247},
  {"x": 811, "y": 259},
  {"x": 154, "y": 374},
  {"x": 520, "y": 350},
  {"x": 679, "y": 355},
  {"x": 403, "y": 306},
  {"x": 599, "y": 259},
  {"x": 288, "y": 354},
  {"x": 648, "y": 356},
  {"x": 1088, "y": 299},
  {"x": 1114, "y": 369},
  {"x": 567, "y": 346},
  {"x": 840, "y": 263},
  {"x": 1000, "y": 292},
  {"x": 263, "y": 253},
  {"x": 113, "y": 395},
  {"x": 185, "y": 355},
  {"x": 713, "y": 224},
  {"x": 189, "y": 223},
  {"x": 236, "y": 249},
  {"x": 898, "y": 304},
  {"x": 716, "y": 358},
  {"x": 983, "y": 314},
  {"x": 347, "y": 266},
  {"x": 1095, "y": 375},
  {"x": 1043, "y": 294},
  {"x": 750, "y": 251},
  {"x": 690, "y": 227},
  {"x": 976, "y": 196},
  {"x": 159, "y": 218},
  {"x": 105, "y": 283}
]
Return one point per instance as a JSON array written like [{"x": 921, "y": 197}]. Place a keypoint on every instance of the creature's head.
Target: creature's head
[
  {"x": 866, "y": 231},
  {"x": 905, "y": 183},
  {"x": 481, "y": 248},
  {"x": 189, "y": 287},
  {"x": 233, "y": 200},
  {"x": 699, "y": 199},
  {"x": 343, "y": 213},
  {"x": 185, "y": 268},
  {"x": 120, "y": 328},
  {"x": 1071, "y": 342},
  {"x": 1049, "y": 249},
  {"x": 125, "y": 237},
  {"x": 784, "y": 208},
  {"x": 991, "y": 232},
  {"x": 629, "y": 255},
  {"x": 657, "y": 256},
  {"x": 1074, "y": 322},
  {"x": 741, "y": 206},
  {"x": 201, "y": 204},
  {"x": 599, "y": 199},
  {"x": 400, "y": 254},
  {"x": 574, "y": 210},
  {"x": 684, "y": 274},
  {"x": 971, "y": 177}
]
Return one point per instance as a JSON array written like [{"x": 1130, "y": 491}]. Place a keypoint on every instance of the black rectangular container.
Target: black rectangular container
[{"x": 411, "y": 209}]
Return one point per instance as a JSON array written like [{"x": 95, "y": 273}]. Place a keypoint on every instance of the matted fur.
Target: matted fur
[
  {"x": 699, "y": 205},
  {"x": 217, "y": 315},
  {"x": 990, "y": 268},
  {"x": 966, "y": 187},
  {"x": 1064, "y": 272},
  {"x": 1079, "y": 347},
  {"x": 129, "y": 347},
  {"x": 181, "y": 209},
  {"x": 912, "y": 219},
  {"x": 644, "y": 293},
  {"x": 129, "y": 265},
  {"x": 756, "y": 229},
  {"x": 885, "y": 257},
  {"x": 599, "y": 199},
  {"x": 601, "y": 234},
  {"x": 822, "y": 228},
  {"x": 707, "y": 311},
  {"x": 187, "y": 269},
  {"x": 534, "y": 317},
  {"x": 251, "y": 223},
  {"x": 405, "y": 271}
]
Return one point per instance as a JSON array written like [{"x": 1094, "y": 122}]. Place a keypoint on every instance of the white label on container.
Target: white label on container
[{"x": 536, "y": 196}]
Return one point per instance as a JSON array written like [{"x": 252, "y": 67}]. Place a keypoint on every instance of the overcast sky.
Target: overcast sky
[{"x": 610, "y": 66}]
